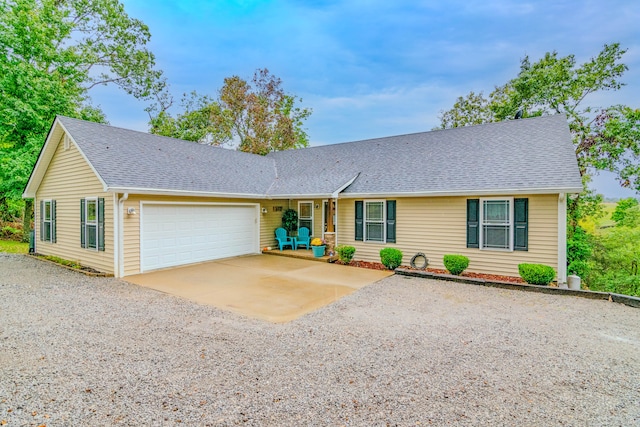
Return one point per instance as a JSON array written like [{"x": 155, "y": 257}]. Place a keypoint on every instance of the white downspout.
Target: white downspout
[
  {"x": 562, "y": 238},
  {"x": 121, "y": 201}
]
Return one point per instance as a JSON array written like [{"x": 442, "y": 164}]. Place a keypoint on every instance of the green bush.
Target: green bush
[
  {"x": 455, "y": 264},
  {"x": 11, "y": 233},
  {"x": 616, "y": 255},
  {"x": 391, "y": 257},
  {"x": 536, "y": 274},
  {"x": 345, "y": 253},
  {"x": 579, "y": 251}
]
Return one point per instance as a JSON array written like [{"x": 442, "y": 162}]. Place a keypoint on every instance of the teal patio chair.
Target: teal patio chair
[
  {"x": 303, "y": 238},
  {"x": 283, "y": 239}
]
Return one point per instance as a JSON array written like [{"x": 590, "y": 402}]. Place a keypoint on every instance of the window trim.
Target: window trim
[
  {"x": 88, "y": 224},
  {"x": 50, "y": 221},
  {"x": 365, "y": 234},
  {"x": 511, "y": 224},
  {"x": 300, "y": 202}
]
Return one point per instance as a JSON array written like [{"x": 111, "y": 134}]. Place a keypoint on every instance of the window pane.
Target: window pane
[
  {"x": 374, "y": 211},
  {"x": 306, "y": 210},
  {"x": 92, "y": 210},
  {"x": 47, "y": 211},
  {"x": 495, "y": 236},
  {"x": 92, "y": 236},
  {"x": 306, "y": 223},
  {"x": 47, "y": 231},
  {"x": 496, "y": 211},
  {"x": 374, "y": 232}
]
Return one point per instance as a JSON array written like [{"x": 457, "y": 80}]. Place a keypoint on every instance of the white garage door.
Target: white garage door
[{"x": 183, "y": 234}]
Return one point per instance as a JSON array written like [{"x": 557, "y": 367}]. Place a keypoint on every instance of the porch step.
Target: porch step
[{"x": 300, "y": 253}]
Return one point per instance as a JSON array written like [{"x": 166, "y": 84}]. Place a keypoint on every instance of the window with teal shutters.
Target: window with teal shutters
[
  {"x": 48, "y": 221},
  {"x": 92, "y": 223}
]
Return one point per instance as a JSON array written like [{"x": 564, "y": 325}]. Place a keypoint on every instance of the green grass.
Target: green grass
[{"x": 13, "y": 247}]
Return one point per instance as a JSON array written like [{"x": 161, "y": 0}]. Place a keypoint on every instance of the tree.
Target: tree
[
  {"x": 605, "y": 138},
  {"x": 259, "y": 116},
  {"x": 626, "y": 213},
  {"x": 52, "y": 52}
]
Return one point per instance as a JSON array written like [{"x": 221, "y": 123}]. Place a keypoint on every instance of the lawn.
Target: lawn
[{"x": 13, "y": 247}]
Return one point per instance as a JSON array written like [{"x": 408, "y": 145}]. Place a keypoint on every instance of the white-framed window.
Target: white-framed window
[
  {"x": 92, "y": 223},
  {"x": 48, "y": 221},
  {"x": 374, "y": 221},
  {"x": 496, "y": 224},
  {"x": 305, "y": 215}
]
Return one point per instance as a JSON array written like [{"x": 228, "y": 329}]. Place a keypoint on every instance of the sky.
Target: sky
[{"x": 371, "y": 69}]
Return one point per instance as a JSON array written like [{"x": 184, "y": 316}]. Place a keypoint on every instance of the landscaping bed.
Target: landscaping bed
[
  {"x": 487, "y": 277},
  {"x": 71, "y": 265}
]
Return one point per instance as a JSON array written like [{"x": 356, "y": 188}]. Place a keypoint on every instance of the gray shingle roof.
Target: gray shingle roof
[
  {"x": 526, "y": 154},
  {"x": 518, "y": 155},
  {"x": 130, "y": 159}
]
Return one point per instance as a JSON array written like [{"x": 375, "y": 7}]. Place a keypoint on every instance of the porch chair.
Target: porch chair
[
  {"x": 283, "y": 239},
  {"x": 303, "y": 238}
]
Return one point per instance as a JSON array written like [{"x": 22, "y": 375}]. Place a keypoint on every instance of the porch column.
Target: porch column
[{"x": 330, "y": 234}]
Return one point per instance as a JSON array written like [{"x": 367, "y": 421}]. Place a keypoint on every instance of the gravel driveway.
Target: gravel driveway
[{"x": 77, "y": 350}]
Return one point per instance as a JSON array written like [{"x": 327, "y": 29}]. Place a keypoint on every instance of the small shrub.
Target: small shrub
[
  {"x": 536, "y": 274},
  {"x": 11, "y": 233},
  {"x": 391, "y": 258},
  {"x": 345, "y": 253},
  {"x": 290, "y": 220},
  {"x": 455, "y": 264}
]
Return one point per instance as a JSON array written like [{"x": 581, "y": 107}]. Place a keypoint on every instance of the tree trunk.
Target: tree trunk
[{"x": 27, "y": 219}]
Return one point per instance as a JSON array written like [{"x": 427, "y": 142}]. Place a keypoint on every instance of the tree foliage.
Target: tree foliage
[
  {"x": 52, "y": 52},
  {"x": 605, "y": 138},
  {"x": 627, "y": 213},
  {"x": 259, "y": 116},
  {"x": 616, "y": 257}
]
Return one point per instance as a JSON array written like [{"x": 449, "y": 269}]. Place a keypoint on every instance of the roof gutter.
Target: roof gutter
[
  {"x": 491, "y": 192},
  {"x": 166, "y": 192}
]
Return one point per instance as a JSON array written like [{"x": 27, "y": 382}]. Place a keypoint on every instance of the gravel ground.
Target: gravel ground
[{"x": 77, "y": 350}]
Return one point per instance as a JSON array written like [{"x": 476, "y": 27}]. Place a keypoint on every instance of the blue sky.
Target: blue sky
[{"x": 375, "y": 68}]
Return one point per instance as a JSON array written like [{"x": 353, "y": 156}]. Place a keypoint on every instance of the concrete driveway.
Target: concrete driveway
[{"x": 273, "y": 288}]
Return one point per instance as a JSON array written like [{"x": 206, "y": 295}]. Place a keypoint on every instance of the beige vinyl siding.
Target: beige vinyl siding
[
  {"x": 436, "y": 226},
  {"x": 67, "y": 180},
  {"x": 268, "y": 222}
]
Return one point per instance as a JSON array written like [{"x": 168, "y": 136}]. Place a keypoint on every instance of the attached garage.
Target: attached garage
[{"x": 178, "y": 234}]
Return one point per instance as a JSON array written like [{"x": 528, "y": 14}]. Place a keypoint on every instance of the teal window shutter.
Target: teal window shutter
[
  {"x": 42, "y": 220},
  {"x": 473, "y": 222},
  {"x": 391, "y": 221},
  {"x": 521, "y": 225},
  {"x": 101, "y": 224},
  {"x": 83, "y": 240},
  {"x": 359, "y": 220},
  {"x": 53, "y": 221}
]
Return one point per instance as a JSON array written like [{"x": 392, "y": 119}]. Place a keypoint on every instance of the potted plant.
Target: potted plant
[
  {"x": 318, "y": 246},
  {"x": 290, "y": 221}
]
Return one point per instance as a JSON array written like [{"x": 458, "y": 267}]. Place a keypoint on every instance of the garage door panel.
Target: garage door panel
[{"x": 175, "y": 235}]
